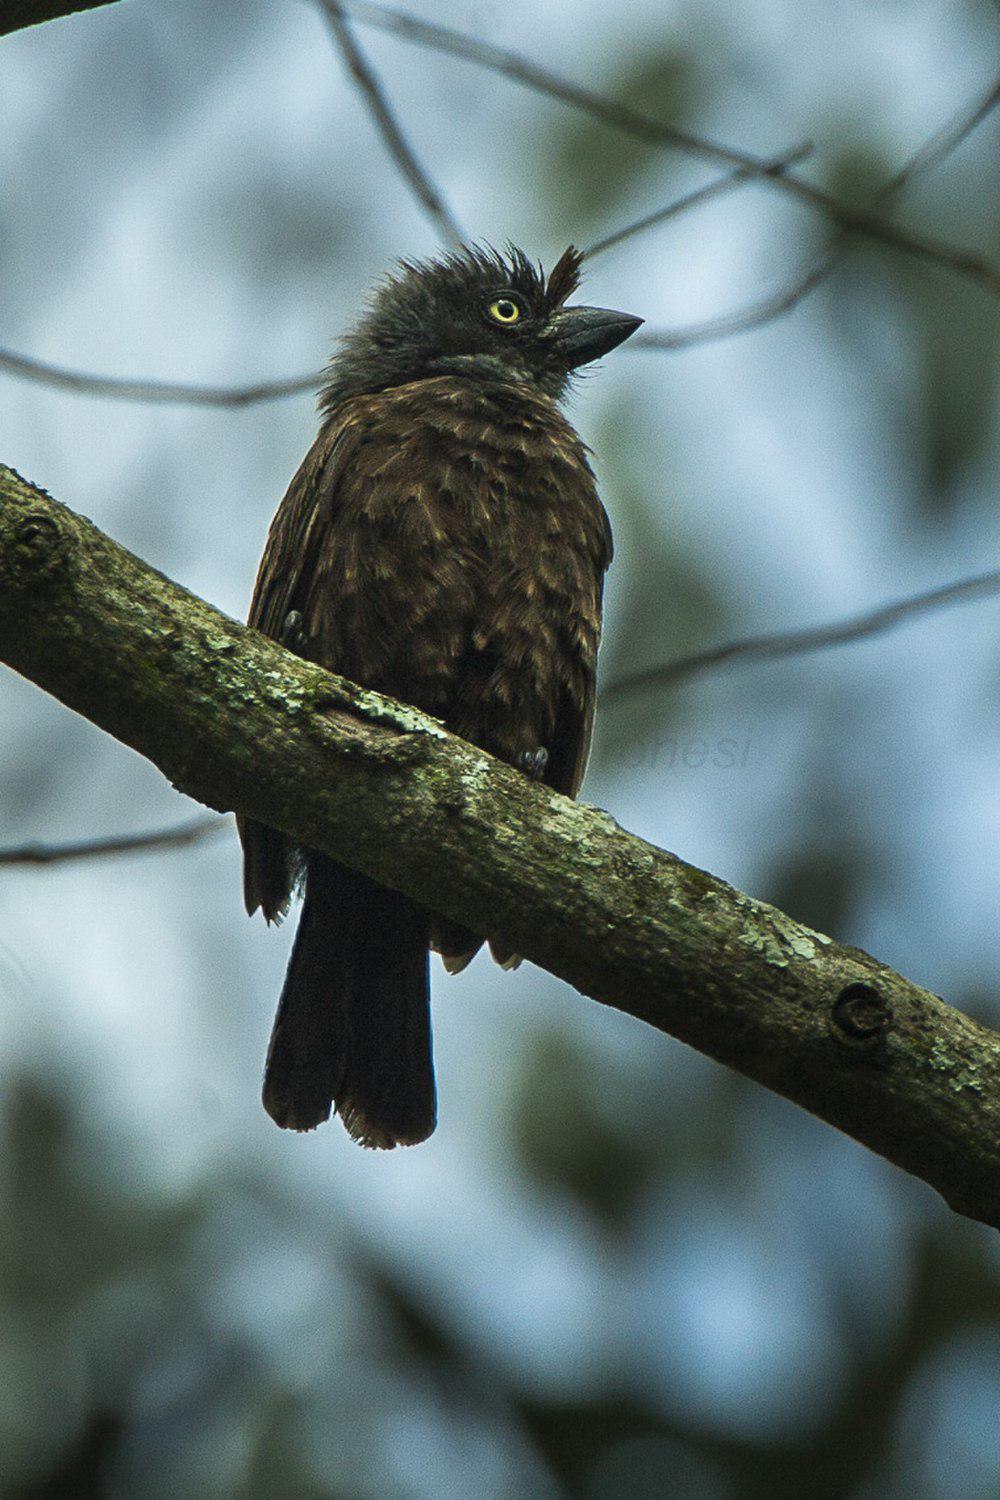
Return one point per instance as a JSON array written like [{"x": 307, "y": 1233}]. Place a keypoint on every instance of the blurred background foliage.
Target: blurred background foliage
[{"x": 617, "y": 1270}]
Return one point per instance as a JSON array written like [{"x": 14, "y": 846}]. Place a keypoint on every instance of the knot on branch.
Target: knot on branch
[
  {"x": 38, "y": 548},
  {"x": 861, "y": 1016},
  {"x": 382, "y": 741}
]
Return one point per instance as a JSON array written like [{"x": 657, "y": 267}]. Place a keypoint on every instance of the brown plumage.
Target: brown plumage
[{"x": 443, "y": 542}]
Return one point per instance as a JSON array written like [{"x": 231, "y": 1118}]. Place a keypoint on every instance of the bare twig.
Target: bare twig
[
  {"x": 522, "y": 69},
  {"x": 715, "y": 189},
  {"x": 944, "y": 141},
  {"x": 799, "y": 642},
  {"x": 752, "y": 316},
  {"x": 657, "y": 132},
  {"x": 183, "y": 835},
  {"x": 860, "y": 221},
  {"x": 172, "y": 392},
  {"x": 766, "y": 309},
  {"x": 410, "y": 169}
]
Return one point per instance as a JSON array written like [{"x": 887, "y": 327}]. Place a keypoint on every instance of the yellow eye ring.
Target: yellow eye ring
[{"x": 504, "y": 310}]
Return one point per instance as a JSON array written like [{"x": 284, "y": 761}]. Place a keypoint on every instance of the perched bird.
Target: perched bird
[{"x": 443, "y": 542}]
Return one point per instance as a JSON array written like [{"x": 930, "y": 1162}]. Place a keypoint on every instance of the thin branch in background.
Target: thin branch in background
[
  {"x": 168, "y": 392},
  {"x": 817, "y": 638},
  {"x": 859, "y": 221},
  {"x": 185, "y": 834},
  {"x": 716, "y": 189},
  {"x": 656, "y": 132},
  {"x": 766, "y": 309},
  {"x": 944, "y": 141},
  {"x": 752, "y": 316},
  {"x": 521, "y": 69},
  {"x": 410, "y": 169}
]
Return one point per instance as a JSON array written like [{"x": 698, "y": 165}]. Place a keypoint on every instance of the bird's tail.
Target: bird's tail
[{"x": 353, "y": 1027}]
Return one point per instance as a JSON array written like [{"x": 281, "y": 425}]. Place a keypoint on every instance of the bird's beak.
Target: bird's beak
[{"x": 580, "y": 334}]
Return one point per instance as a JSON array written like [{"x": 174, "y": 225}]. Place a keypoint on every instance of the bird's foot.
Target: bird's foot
[
  {"x": 533, "y": 763},
  {"x": 292, "y": 634}
]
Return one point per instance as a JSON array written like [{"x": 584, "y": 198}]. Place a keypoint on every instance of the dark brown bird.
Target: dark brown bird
[{"x": 443, "y": 543}]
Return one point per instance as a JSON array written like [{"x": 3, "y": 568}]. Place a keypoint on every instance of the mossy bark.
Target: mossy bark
[{"x": 236, "y": 722}]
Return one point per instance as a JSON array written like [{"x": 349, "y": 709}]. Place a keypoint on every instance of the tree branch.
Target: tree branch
[
  {"x": 237, "y": 722},
  {"x": 753, "y": 648},
  {"x": 19, "y": 13},
  {"x": 749, "y": 649}
]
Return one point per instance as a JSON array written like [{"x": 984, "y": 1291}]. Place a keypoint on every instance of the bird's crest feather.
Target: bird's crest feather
[{"x": 564, "y": 278}]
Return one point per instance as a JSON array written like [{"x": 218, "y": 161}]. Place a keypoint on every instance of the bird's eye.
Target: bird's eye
[{"x": 504, "y": 310}]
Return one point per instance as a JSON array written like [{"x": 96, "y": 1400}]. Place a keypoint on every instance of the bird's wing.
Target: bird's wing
[
  {"x": 575, "y": 718},
  {"x": 279, "y": 609},
  {"x": 569, "y": 749},
  {"x": 289, "y": 564},
  {"x": 571, "y": 742},
  {"x": 570, "y": 746}
]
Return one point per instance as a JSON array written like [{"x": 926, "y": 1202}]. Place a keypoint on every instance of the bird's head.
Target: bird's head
[{"x": 479, "y": 315}]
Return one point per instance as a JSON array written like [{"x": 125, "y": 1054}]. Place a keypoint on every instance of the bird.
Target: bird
[{"x": 443, "y": 542}]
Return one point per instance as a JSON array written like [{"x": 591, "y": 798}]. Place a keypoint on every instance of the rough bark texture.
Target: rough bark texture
[
  {"x": 16, "y": 14},
  {"x": 237, "y": 722}
]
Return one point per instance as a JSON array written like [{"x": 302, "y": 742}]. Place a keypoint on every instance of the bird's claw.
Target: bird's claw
[
  {"x": 533, "y": 762},
  {"x": 292, "y": 634}
]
